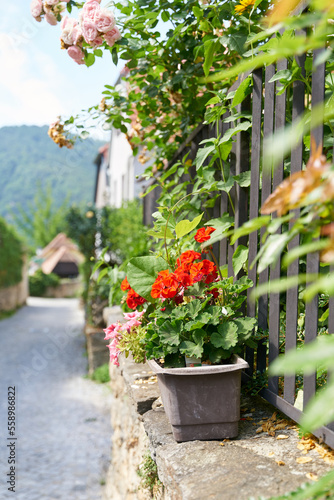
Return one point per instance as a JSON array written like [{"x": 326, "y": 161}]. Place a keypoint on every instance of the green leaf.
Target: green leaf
[
  {"x": 89, "y": 59},
  {"x": 271, "y": 250},
  {"x": 313, "y": 355},
  {"x": 240, "y": 127},
  {"x": 250, "y": 226},
  {"x": 226, "y": 186},
  {"x": 165, "y": 16},
  {"x": 320, "y": 410},
  {"x": 186, "y": 226},
  {"x": 239, "y": 258},
  {"x": 169, "y": 333},
  {"x": 209, "y": 50},
  {"x": 284, "y": 74},
  {"x": 191, "y": 349},
  {"x": 243, "y": 179},
  {"x": 114, "y": 56},
  {"x": 202, "y": 155},
  {"x": 245, "y": 327},
  {"x": 198, "y": 336},
  {"x": 324, "y": 284},
  {"x": 282, "y": 284},
  {"x": 142, "y": 273},
  {"x": 243, "y": 90},
  {"x": 227, "y": 336},
  {"x": 297, "y": 252}
]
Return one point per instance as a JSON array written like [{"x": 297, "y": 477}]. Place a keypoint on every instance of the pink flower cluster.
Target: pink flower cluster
[
  {"x": 96, "y": 25},
  {"x": 71, "y": 39},
  {"x": 114, "y": 332},
  {"x": 50, "y": 9}
]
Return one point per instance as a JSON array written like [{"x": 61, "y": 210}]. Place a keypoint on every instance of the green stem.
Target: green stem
[{"x": 215, "y": 261}]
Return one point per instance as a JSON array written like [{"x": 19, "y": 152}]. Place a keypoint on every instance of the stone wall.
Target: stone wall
[
  {"x": 252, "y": 465},
  {"x": 15, "y": 296},
  {"x": 65, "y": 289},
  {"x": 130, "y": 442}
]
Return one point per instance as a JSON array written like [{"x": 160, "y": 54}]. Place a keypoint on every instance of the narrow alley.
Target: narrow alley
[{"x": 62, "y": 420}]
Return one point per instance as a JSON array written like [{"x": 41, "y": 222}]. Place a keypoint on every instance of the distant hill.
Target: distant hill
[{"x": 28, "y": 157}]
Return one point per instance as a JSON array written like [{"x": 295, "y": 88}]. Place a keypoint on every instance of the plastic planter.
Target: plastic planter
[{"x": 201, "y": 402}]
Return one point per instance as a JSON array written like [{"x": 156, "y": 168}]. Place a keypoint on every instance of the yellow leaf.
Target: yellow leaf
[
  {"x": 282, "y": 9},
  {"x": 259, "y": 430},
  {"x": 282, "y": 436},
  {"x": 278, "y": 427},
  {"x": 280, "y": 462},
  {"x": 303, "y": 460},
  {"x": 311, "y": 476}
]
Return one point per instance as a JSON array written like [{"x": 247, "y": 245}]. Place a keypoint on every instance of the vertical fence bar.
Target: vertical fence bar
[
  {"x": 312, "y": 261},
  {"x": 223, "y": 252},
  {"x": 293, "y": 270},
  {"x": 254, "y": 193},
  {"x": 275, "y": 270},
  {"x": 268, "y": 128}
]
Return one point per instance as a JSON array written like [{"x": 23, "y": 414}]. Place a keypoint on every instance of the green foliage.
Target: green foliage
[
  {"x": 11, "y": 256},
  {"x": 39, "y": 282},
  {"x": 316, "y": 355},
  {"x": 101, "y": 374},
  {"x": 134, "y": 342},
  {"x": 142, "y": 273},
  {"x": 122, "y": 230},
  {"x": 201, "y": 329},
  {"x": 41, "y": 220},
  {"x": 148, "y": 472},
  {"x": 27, "y": 156}
]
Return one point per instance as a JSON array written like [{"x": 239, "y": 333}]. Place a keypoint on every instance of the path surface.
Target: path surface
[{"x": 63, "y": 429}]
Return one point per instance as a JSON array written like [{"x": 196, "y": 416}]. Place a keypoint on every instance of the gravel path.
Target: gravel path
[{"x": 63, "y": 432}]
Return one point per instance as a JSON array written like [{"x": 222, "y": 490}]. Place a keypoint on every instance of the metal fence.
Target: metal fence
[{"x": 268, "y": 111}]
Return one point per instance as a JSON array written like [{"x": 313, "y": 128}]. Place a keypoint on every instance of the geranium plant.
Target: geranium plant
[{"x": 183, "y": 306}]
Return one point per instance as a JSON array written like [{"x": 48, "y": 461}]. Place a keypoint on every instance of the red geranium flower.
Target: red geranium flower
[
  {"x": 188, "y": 257},
  {"x": 133, "y": 299},
  {"x": 125, "y": 285},
  {"x": 203, "y": 234}
]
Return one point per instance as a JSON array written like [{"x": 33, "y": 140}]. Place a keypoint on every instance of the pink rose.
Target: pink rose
[
  {"x": 89, "y": 31},
  {"x": 76, "y": 53},
  {"x": 71, "y": 34},
  {"x": 68, "y": 22},
  {"x": 52, "y": 2},
  {"x": 112, "y": 36},
  {"x": 36, "y": 8},
  {"x": 89, "y": 11},
  {"x": 97, "y": 42},
  {"x": 104, "y": 21},
  {"x": 51, "y": 18}
]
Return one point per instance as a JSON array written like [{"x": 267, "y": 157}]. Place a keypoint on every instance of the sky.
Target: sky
[{"x": 39, "y": 81}]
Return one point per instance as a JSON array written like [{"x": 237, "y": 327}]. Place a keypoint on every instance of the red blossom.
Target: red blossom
[
  {"x": 125, "y": 285},
  {"x": 133, "y": 299},
  {"x": 188, "y": 257},
  {"x": 203, "y": 234}
]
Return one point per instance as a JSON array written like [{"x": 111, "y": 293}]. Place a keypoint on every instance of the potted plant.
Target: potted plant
[{"x": 188, "y": 325}]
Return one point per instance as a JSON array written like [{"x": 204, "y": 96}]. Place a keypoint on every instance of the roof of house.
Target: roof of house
[{"x": 60, "y": 249}]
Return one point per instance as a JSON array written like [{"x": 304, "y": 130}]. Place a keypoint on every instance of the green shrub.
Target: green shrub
[
  {"x": 39, "y": 282},
  {"x": 101, "y": 374},
  {"x": 11, "y": 256}
]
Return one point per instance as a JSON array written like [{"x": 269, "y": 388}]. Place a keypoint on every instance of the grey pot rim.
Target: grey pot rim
[{"x": 238, "y": 364}]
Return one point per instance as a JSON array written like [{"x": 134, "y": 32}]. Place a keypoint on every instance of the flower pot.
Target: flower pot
[{"x": 201, "y": 402}]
